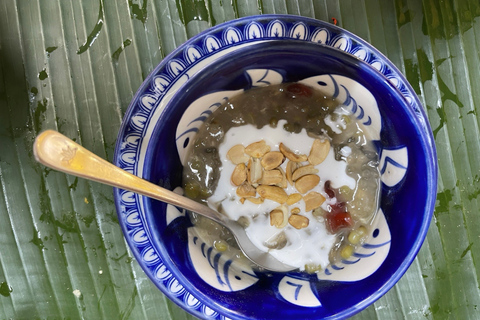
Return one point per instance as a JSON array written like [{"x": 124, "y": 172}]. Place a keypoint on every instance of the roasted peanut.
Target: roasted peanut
[
  {"x": 273, "y": 193},
  {"x": 313, "y": 200},
  {"x": 293, "y": 198},
  {"x": 237, "y": 155},
  {"x": 257, "y": 149},
  {"x": 239, "y": 174},
  {"x": 276, "y": 218},
  {"x": 246, "y": 190},
  {"x": 255, "y": 171},
  {"x": 291, "y": 167},
  {"x": 283, "y": 184},
  {"x": 272, "y": 177},
  {"x": 272, "y": 159},
  {"x": 307, "y": 183},
  {"x": 298, "y": 222},
  {"x": 292, "y": 156},
  {"x": 303, "y": 171},
  {"x": 319, "y": 151},
  {"x": 279, "y": 217}
]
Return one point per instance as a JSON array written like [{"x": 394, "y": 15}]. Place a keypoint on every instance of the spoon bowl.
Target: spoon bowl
[{"x": 58, "y": 152}]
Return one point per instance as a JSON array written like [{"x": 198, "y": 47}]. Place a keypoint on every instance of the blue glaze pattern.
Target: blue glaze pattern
[
  {"x": 220, "y": 271},
  {"x": 140, "y": 123}
]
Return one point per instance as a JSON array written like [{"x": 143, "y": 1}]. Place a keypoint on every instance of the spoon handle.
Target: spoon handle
[{"x": 56, "y": 151}]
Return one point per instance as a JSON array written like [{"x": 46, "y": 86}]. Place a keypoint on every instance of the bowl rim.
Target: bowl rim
[{"x": 420, "y": 121}]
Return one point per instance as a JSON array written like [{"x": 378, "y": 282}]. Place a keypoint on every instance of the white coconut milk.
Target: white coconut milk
[{"x": 310, "y": 245}]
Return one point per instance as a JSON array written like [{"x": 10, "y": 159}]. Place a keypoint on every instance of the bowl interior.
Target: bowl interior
[{"x": 405, "y": 205}]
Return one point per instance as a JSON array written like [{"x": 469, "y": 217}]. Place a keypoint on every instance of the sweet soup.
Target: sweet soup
[{"x": 293, "y": 167}]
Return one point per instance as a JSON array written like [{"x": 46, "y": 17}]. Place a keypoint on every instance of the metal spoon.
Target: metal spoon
[{"x": 56, "y": 151}]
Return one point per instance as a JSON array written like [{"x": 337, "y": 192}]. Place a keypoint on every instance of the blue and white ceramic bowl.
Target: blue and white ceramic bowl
[{"x": 224, "y": 61}]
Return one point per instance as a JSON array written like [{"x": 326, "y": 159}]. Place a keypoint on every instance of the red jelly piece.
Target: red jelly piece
[
  {"x": 338, "y": 207},
  {"x": 336, "y": 221},
  {"x": 298, "y": 89}
]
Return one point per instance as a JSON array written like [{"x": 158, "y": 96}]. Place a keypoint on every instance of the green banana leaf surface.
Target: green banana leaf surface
[{"x": 74, "y": 66}]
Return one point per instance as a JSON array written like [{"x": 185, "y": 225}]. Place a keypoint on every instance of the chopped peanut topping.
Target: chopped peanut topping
[
  {"x": 307, "y": 183},
  {"x": 291, "y": 167},
  {"x": 292, "y": 156},
  {"x": 258, "y": 175},
  {"x": 239, "y": 174},
  {"x": 283, "y": 183},
  {"x": 237, "y": 155},
  {"x": 295, "y": 210},
  {"x": 272, "y": 177},
  {"x": 313, "y": 200},
  {"x": 257, "y": 149},
  {"x": 319, "y": 151},
  {"x": 293, "y": 198},
  {"x": 276, "y": 218},
  {"x": 298, "y": 222},
  {"x": 274, "y": 193},
  {"x": 246, "y": 190},
  {"x": 279, "y": 217},
  {"x": 272, "y": 159},
  {"x": 303, "y": 171},
  {"x": 255, "y": 171}
]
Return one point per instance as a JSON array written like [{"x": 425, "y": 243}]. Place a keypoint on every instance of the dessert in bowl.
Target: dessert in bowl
[{"x": 220, "y": 66}]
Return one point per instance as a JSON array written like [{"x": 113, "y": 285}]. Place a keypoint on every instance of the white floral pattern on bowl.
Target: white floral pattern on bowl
[{"x": 358, "y": 100}]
